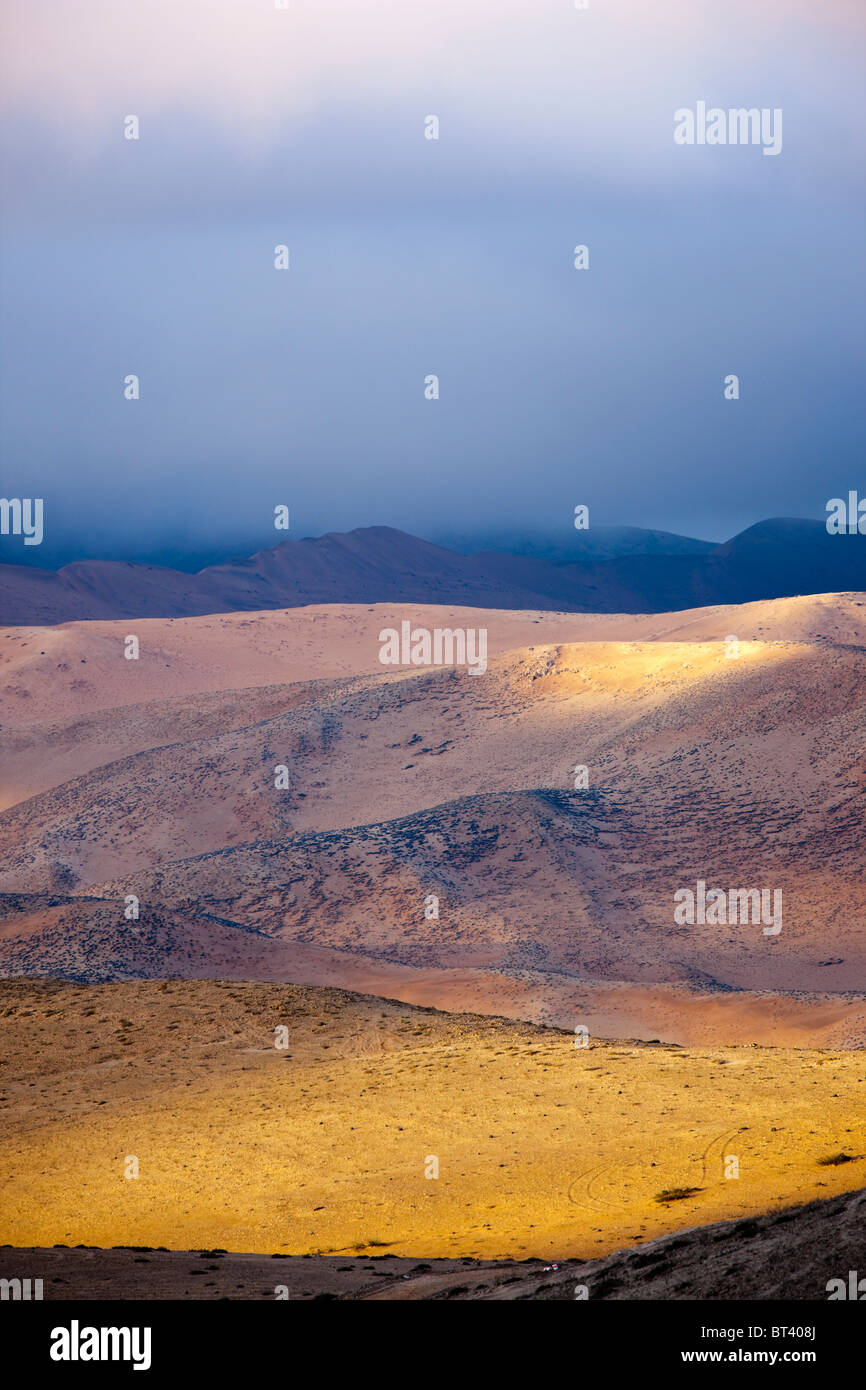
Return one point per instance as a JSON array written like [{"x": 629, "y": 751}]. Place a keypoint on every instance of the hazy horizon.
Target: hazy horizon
[
  {"x": 191, "y": 553},
  {"x": 410, "y": 256}
]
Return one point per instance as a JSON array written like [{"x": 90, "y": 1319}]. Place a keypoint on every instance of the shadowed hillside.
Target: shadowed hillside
[{"x": 378, "y": 564}]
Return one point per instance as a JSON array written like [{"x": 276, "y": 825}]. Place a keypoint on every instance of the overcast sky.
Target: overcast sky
[{"x": 411, "y": 257}]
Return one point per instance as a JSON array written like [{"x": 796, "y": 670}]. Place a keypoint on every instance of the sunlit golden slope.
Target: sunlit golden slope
[{"x": 543, "y": 1148}]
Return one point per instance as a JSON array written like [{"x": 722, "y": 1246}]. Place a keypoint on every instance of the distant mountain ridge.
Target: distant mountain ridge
[
  {"x": 777, "y": 558},
  {"x": 582, "y": 547}
]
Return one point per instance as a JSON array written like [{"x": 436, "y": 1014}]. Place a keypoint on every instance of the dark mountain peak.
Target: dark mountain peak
[{"x": 781, "y": 531}]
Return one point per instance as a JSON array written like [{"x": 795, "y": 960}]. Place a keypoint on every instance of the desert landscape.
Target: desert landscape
[
  {"x": 432, "y": 675},
  {"x": 444, "y": 934}
]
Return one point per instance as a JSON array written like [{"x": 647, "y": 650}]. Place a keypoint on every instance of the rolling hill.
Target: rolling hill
[{"x": 554, "y": 901}]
